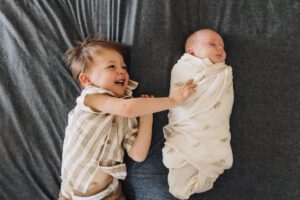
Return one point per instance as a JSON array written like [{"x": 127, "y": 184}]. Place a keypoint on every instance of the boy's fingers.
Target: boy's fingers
[
  {"x": 189, "y": 92},
  {"x": 189, "y": 82},
  {"x": 191, "y": 86},
  {"x": 191, "y": 89}
]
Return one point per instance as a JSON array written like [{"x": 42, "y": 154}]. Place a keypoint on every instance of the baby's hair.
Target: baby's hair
[{"x": 80, "y": 57}]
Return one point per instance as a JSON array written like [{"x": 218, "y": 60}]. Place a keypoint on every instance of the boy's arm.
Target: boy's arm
[
  {"x": 141, "y": 145},
  {"x": 139, "y": 106},
  {"x": 127, "y": 107}
]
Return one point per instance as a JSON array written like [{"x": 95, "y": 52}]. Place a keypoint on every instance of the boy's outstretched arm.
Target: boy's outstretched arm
[{"x": 139, "y": 106}]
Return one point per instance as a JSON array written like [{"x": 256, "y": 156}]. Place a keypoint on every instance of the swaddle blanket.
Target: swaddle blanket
[{"x": 197, "y": 148}]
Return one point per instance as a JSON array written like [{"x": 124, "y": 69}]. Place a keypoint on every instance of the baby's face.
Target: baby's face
[
  {"x": 210, "y": 45},
  {"x": 109, "y": 72}
]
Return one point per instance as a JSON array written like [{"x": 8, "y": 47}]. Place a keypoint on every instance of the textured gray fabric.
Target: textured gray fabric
[{"x": 37, "y": 91}]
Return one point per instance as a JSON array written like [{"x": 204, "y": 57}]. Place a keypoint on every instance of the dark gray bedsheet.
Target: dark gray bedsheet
[{"x": 37, "y": 91}]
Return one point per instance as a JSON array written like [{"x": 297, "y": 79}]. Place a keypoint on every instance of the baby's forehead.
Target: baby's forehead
[
  {"x": 203, "y": 36},
  {"x": 207, "y": 35}
]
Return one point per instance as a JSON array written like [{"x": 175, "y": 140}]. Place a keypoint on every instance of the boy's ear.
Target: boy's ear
[
  {"x": 84, "y": 79},
  {"x": 191, "y": 51}
]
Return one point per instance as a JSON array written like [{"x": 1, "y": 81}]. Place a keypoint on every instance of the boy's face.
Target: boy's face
[
  {"x": 109, "y": 71},
  {"x": 210, "y": 45}
]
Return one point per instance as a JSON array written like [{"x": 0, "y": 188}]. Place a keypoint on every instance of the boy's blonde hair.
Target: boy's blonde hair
[{"x": 80, "y": 57}]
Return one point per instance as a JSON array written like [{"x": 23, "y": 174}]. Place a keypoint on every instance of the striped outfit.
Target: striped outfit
[{"x": 95, "y": 140}]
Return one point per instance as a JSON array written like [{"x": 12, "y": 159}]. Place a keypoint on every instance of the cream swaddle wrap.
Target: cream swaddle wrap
[{"x": 197, "y": 148}]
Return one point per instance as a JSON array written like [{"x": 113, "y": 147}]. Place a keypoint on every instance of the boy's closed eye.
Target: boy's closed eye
[
  {"x": 114, "y": 66},
  {"x": 111, "y": 66}
]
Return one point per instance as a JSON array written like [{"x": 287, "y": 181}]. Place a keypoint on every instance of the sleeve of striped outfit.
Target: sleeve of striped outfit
[{"x": 87, "y": 91}]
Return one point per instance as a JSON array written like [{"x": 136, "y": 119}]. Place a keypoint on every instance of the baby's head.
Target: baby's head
[
  {"x": 99, "y": 63},
  {"x": 206, "y": 43}
]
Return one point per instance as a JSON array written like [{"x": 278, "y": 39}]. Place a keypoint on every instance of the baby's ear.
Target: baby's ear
[
  {"x": 191, "y": 51},
  {"x": 84, "y": 79}
]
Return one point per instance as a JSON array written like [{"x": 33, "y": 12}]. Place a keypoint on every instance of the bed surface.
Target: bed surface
[{"x": 37, "y": 91}]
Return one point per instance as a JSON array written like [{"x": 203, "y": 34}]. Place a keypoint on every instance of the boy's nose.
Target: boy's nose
[{"x": 121, "y": 71}]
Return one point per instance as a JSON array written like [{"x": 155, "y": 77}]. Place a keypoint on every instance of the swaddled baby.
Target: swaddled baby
[{"x": 197, "y": 148}]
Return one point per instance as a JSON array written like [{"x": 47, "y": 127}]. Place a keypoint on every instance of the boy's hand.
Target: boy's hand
[{"x": 182, "y": 92}]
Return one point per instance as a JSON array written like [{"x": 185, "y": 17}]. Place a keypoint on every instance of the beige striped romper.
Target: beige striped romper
[{"x": 95, "y": 141}]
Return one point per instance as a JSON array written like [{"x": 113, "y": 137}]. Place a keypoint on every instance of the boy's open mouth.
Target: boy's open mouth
[{"x": 120, "y": 82}]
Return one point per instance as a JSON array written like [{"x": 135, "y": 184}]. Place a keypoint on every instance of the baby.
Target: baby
[
  {"x": 197, "y": 148},
  {"x": 103, "y": 123}
]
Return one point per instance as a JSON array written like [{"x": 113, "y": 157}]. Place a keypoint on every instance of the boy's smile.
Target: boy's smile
[{"x": 120, "y": 82}]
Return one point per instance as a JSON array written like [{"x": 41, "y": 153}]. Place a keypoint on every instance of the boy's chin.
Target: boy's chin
[{"x": 119, "y": 94}]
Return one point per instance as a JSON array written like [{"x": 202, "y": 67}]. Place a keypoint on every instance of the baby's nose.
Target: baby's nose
[{"x": 220, "y": 48}]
